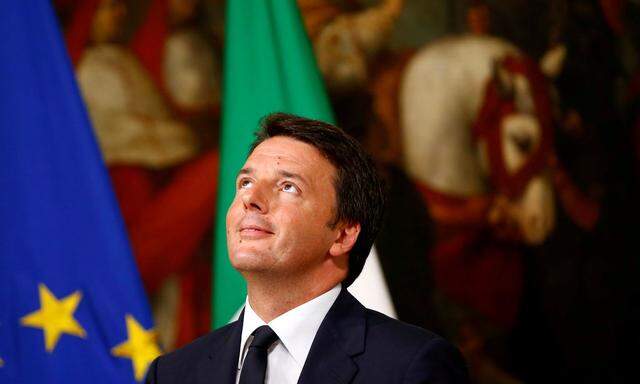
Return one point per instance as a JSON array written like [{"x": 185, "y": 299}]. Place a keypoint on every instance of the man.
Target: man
[{"x": 306, "y": 212}]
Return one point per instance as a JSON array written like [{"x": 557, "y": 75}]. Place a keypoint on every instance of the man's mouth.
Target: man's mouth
[{"x": 254, "y": 232}]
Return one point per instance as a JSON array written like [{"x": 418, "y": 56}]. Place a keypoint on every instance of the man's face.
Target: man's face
[
  {"x": 285, "y": 200},
  {"x": 181, "y": 11},
  {"x": 109, "y": 20}
]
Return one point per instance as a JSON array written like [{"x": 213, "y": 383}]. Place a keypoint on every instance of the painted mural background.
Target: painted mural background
[{"x": 508, "y": 132}]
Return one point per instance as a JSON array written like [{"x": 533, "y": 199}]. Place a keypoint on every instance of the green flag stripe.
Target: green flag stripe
[{"x": 303, "y": 85}]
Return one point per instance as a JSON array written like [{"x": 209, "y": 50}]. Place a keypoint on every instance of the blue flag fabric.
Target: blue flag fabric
[{"x": 72, "y": 307}]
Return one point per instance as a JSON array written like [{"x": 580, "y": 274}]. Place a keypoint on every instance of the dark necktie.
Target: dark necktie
[{"x": 255, "y": 363}]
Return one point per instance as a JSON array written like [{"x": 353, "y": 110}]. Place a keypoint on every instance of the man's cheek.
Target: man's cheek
[{"x": 232, "y": 216}]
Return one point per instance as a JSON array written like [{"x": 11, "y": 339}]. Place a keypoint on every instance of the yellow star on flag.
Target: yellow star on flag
[
  {"x": 55, "y": 317},
  {"x": 141, "y": 347}
]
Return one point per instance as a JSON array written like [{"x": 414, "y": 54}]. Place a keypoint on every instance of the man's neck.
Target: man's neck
[{"x": 270, "y": 300}]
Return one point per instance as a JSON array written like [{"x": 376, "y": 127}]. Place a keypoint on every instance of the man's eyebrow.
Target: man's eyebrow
[
  {"x": 245, "y": 171},
  {"x": 281, "y": 172},
  {"x": 292, "y": 175}
]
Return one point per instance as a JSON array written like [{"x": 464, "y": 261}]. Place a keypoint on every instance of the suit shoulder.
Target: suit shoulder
[
  {"x": 379, "y": 323},
  {"x": 423, "y": 355}
]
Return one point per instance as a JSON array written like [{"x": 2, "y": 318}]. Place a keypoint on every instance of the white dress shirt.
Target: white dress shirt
[{"x": 296, "y": 330}]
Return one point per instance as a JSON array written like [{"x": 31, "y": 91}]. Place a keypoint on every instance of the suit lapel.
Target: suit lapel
[
  {"x": 339, "y": 338},
  {"x": 221, "y": 363}
]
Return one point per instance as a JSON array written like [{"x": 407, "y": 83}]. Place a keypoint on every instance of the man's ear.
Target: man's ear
[{"x": 346, "y": 239}]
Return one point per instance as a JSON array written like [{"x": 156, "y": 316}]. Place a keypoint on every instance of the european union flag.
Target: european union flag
[{"x": 72, "y": 307}]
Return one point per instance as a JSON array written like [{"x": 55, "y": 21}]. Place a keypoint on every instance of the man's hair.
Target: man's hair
[{"x": 360, "y": 193}]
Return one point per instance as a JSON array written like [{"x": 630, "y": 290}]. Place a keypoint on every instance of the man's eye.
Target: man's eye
[
  {"x": 244, "y": 183},
  {"x": 288, "y": 187}
]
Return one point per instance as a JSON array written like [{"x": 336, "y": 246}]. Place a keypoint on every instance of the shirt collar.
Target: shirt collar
[{"x": 296, "y": 328}]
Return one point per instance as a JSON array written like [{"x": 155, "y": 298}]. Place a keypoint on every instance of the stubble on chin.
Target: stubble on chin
[{"x": 247, "y": 260}]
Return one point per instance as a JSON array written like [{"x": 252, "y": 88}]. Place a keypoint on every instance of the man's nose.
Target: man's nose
[{"x": 256, "y": 199}]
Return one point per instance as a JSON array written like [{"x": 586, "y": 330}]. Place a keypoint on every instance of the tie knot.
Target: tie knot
[{"x": 263, "y": 337}]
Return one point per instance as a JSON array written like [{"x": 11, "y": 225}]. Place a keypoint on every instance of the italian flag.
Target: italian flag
[{"x": 269, "y": 66}]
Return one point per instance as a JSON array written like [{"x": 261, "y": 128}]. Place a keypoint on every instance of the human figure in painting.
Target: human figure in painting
[
  {"x": 173, "y": 44},
  {"x": 155, "y": 162},
  {"x": 176, "y": 47}
]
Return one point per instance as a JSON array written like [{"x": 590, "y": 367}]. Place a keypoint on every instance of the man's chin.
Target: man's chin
[{"x": 250, "y": 261}]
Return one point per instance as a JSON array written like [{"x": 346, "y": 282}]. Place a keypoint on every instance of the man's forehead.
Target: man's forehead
[
  {"x": 288, "y": 157},
  {"x": 285, "y": 150}
]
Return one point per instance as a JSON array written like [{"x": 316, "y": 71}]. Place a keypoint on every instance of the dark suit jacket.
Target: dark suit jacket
[{"x": 353, "y": 345}]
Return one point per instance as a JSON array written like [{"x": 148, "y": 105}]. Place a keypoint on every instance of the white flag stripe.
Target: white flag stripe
[{"x": 370, "y": 288}]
